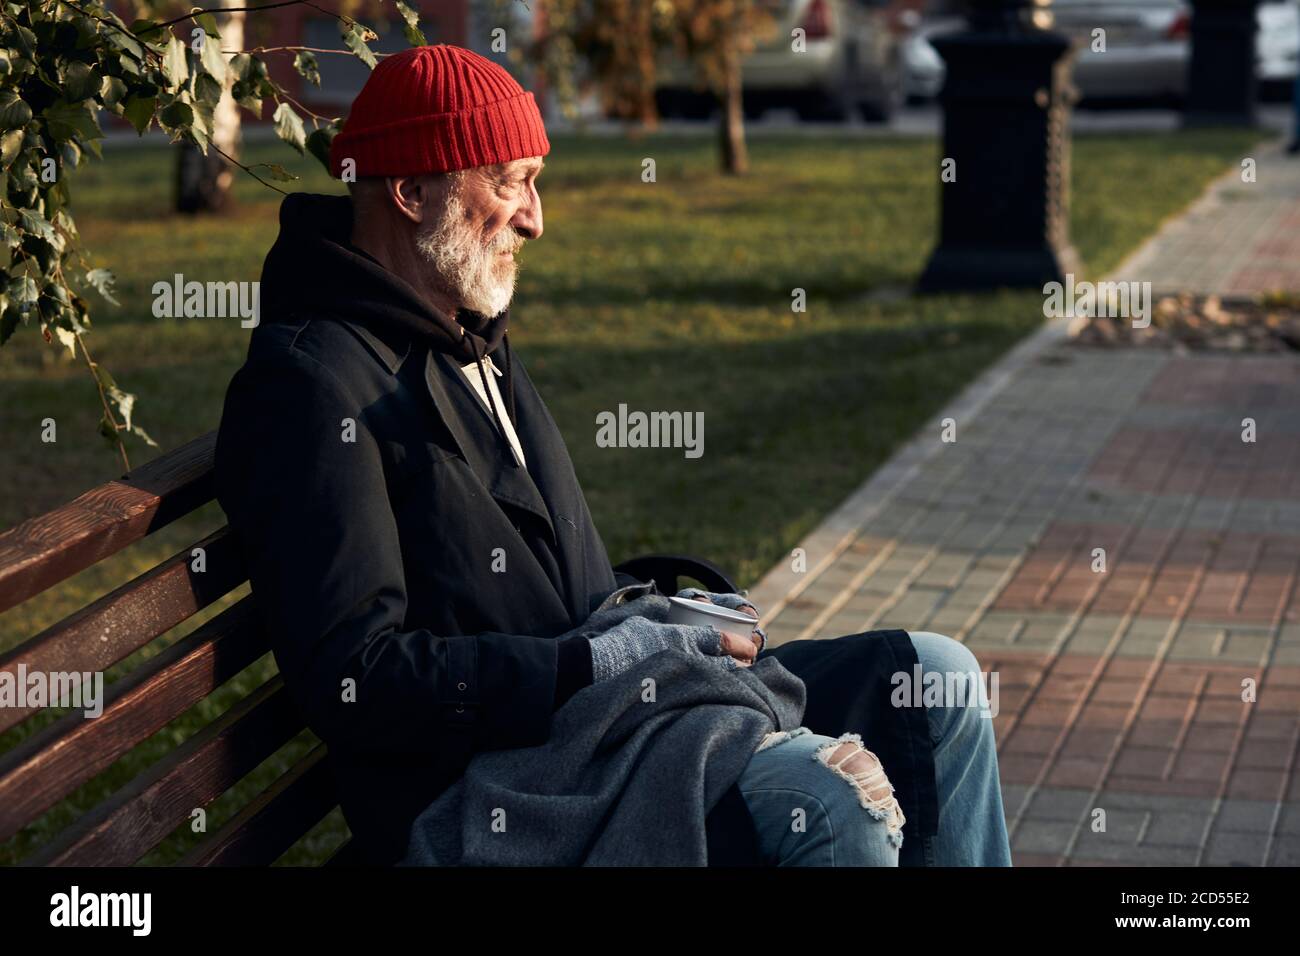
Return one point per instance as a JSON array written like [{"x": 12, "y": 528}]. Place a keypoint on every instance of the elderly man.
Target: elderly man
[{"x": 421, "y": 553}]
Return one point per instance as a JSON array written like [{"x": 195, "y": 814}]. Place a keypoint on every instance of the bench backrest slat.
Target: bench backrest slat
[
  {"x": 132, "y": 821},
  {"x": 121, "y": 622},
  {"x": 44, "y": 550},
  {"x": 273, "y": 822},
  {"x": 53, "y": 762}
]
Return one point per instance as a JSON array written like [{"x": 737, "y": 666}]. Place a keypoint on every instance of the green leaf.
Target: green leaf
[
  {"x": 11, "y": 143},
  {"x": 250, "y": 83},
  {"x": 241, "y": 66},
  {"x": 176, "y": 116},
  {"x": 111, "y": 90},
  {"x": 66, "y": 120},
  {"x": 411, "y": 30},
  {"x": 174, "y": 65},
  {"x": 8, "y": 319},
  {"x": 26, "y": 41},
  {"x": 211, "y": 58},
  {"x": 139, "y": 111},
  {"x": 109, "y": 431},
  {"x": 80, "y": 81},
  {"x": 201, "y": 127},
  {"x": 207, "y": 22},
  {"x": 141, "y": 433},
  {"x": 87, "y": 32},
  {"x": 305, "y": 63},
  {"x": 66, "y": 337},
  {"x": 102, "y": 281},
  {"x": 354, "y": 37},
  {"x": 141, "y": 27},
  {"x": 124, "y": 401},
  {"x": 288, "y": 126},
  {"x": 24, "y": 293},
  {"x": 247, "y": 97},
  {"x": 35, "y": 224},
  {"x": 277, "y": 172},
  {"x": 14, "y": 111},
  {"x": 318, "y": 143},
  {"x": 207, "y": 90}
]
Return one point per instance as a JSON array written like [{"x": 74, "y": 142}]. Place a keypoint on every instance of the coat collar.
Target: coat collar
[
  {"x": 479, "y": 442},
  {"x": 389, "y": 345},
  {"x": 471, "y": 426},
  {"x": 543, "y": 489}
]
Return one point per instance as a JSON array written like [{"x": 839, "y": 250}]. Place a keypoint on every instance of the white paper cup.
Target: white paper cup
[{"x": 699, "y": 614}]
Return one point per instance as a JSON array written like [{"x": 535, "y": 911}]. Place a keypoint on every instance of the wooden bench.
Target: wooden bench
[{"x": 43, "y": 769}]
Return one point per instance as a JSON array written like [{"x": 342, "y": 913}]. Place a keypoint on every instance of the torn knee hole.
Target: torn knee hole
[{"x": 860, "y": 767}]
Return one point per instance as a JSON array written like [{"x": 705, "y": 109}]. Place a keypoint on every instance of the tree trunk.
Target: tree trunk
[
  {"x": 203, "y": 182},
  {"x": 735, "y": 156}
]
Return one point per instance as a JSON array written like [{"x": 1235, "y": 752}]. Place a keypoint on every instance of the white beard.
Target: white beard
[{"x": 477, "y": 276}]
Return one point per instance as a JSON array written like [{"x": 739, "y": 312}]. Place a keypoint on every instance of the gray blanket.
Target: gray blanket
[{"x": 632, "y": 767}]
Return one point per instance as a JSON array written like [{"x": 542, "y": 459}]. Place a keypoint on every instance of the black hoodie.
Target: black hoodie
[{"x": 313, "y": 269}]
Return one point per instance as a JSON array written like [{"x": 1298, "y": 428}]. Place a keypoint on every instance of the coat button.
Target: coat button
[{"x": 461, "y": 686}]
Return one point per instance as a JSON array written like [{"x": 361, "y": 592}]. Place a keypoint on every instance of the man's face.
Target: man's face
[{"x": 488, "y": 214}]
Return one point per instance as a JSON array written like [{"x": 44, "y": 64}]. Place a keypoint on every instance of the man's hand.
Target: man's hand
[{"x": 744, "y": 648}]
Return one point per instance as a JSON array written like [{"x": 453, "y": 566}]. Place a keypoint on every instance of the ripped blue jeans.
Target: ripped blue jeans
[{"x": 820, "y": 801}]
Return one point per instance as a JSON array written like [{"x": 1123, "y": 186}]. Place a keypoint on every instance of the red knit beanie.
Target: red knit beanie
[{"x": 433, "y": 109}]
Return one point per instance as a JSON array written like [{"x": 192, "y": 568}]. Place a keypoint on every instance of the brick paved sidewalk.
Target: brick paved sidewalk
[
  {"x": 1240, "y": 239},
  {"x": 1119, "y": 689}
]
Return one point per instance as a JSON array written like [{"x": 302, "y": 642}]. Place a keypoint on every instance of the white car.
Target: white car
[
  {"x": 1147, "y": 46},
  {"x": 849, "y": 60},
  {"x": 1277, "y": 45}
]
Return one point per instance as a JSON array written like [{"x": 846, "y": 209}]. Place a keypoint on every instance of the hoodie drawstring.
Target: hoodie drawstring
[
  {"x": 487, "y": 390},
  {"x": 510, "y": 384}
]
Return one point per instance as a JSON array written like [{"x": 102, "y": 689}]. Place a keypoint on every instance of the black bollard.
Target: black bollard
[
  {"x": 1221, "y": 83},
  {"x": 1006, "y": 101}
]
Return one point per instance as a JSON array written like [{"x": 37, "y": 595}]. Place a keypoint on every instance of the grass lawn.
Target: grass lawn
[{"x": 672, "y": 295}]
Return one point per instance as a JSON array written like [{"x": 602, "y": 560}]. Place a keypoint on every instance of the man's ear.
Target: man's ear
[{"x": 410, "y": 196}]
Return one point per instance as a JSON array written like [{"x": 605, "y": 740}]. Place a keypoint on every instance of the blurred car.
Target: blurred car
[
  {"x": 851, "y": 61},
  {"x": 1147, "y": 48},
  {"x": 1277, "y": 44},
  {"x": 923, "y": 68}
]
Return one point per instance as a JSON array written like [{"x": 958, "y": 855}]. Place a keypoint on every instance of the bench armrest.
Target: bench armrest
[{"x": 665, "y": 569}]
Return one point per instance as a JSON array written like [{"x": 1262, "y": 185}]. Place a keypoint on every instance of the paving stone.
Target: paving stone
[
  {"x": 1176, "y": 829},
  {"x": 1286, "y": 851},
  {"x": 1236, "y": 849},
  {"x": 1035, "y": 836},
  {"x": 1060, "y": 804},
  {"x": 1014, "y": 799},
  {"x": 1250, "y": 816},
  {"x": 1124, "y": 854}
]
